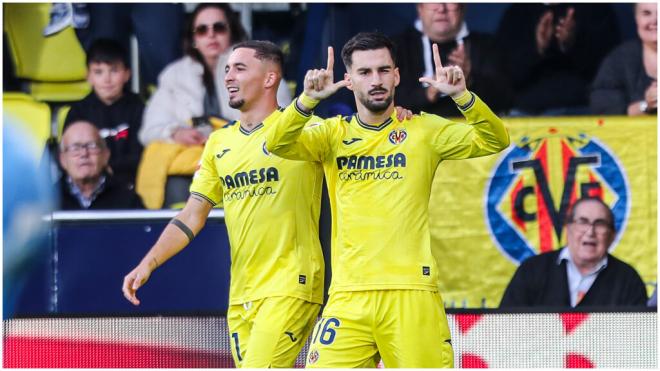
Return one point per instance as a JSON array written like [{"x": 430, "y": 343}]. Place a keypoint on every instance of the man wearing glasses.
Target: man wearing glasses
[
  {"x": 583, "y": 273},
  {"x": 88, "y": 182}
]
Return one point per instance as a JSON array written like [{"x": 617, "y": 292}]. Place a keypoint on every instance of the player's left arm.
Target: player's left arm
[{"x": 484, "y": 132}]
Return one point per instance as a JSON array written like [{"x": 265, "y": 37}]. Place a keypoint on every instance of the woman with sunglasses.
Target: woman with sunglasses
[
  {"x": 193, "y": 86},
  {"x": 191, "y": 92}
]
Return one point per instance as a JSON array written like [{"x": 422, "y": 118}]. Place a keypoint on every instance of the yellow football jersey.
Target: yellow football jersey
[
  {"x": 379, "y": 181},
  {"x": 272, "y": 208}
]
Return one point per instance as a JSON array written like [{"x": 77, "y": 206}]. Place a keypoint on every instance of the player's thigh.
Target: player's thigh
[
  {"x": 299, "y": 330},
  {"x": 343, "y": 337},
  {"x": 414, "y": 332},
  {"x": 280, "y": 329},
  {"x": 239, "y": 323}
]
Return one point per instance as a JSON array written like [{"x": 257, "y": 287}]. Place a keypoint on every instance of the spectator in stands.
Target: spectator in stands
[
  {"x": 476, "y": 54},
  {"x": 190, "y": 96},
  {"x": 115, "y": 111},
  {"x": 626, "y": 83},
  {"x": 87, "y": 183},
  {"x": 583, "y": 273},
  {"x": 553, "y": 52},
  {"x": 191, "y": 87},
  {"x": 156, "y": 26}
]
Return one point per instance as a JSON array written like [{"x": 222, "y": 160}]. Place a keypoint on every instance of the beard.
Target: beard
[
  {"x": 374, "y": 106},
  {"x": 236, "y": 103}
]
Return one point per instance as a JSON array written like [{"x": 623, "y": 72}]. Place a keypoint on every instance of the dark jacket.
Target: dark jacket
[
  {"x": 621, "y": 80},
  {"x": 540, "y": 281},
  {"x": 556, "y": 79},
  {"x": 487, "y": 77},
  {"x": 119, "y": 124},
  {"x": 115, "y": 195}
]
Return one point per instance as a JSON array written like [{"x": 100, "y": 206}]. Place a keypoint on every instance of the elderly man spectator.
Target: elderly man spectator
[
  {"x": 476, "y": 54},
  {"x": 87, "y": 182},
  {"x": 582, "y": 274}
]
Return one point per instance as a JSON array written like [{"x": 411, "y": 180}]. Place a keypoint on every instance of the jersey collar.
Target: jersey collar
[
  {"x": 267, "y": 121},
  {"x": 378, "y": 127},
  {"x": 246, "y": 132}
]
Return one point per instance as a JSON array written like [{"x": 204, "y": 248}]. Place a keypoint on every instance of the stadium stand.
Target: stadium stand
[{"x": 53, "y": 68}]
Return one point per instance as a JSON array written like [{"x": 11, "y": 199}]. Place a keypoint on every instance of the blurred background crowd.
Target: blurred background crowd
[{"x": 150, "y": 77}]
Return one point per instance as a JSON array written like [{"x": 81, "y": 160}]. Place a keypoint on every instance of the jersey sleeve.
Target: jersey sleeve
[
  {"x": 206, "y": 181},
  {"x": 483, "y": 134},
  {"x": 297, "y": 135}
]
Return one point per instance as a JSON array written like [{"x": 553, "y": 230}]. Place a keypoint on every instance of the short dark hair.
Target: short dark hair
[
  {"x": 107, "y": 51},
  {"x": 264, "y": 50},
  {"x": 366, "y": 41},
  {"x": 610, "y": 214}
]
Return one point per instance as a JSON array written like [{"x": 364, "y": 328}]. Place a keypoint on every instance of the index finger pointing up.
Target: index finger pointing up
[
  {"x": 436, "y": 57},
  {"x": 331, "y": 59}
]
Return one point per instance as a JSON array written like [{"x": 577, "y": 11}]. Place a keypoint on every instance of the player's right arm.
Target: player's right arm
[
  {"x": 176, "y": 235},
  {"x": 206, "y": 192},
  {"x": 286, "y": 137}
]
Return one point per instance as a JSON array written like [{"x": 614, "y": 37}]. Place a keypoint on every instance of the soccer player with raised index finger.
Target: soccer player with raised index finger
[{"x": 384, "y": 300}]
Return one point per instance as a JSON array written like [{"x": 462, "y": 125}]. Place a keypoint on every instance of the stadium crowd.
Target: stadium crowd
[{"x": 557, "y": 59}]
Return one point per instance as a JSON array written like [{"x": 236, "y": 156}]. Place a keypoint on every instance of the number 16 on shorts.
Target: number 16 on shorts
[{"x": 325, "y": 331}]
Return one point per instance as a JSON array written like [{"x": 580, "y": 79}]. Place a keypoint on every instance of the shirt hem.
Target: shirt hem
[
  {"x": 307, "y": 298},
  {"x": 379, "y": 287}
]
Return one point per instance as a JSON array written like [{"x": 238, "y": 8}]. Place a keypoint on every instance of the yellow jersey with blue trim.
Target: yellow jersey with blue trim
[
  {"x": 272, "y": 208},
  {"x": 379, "y": 179}
]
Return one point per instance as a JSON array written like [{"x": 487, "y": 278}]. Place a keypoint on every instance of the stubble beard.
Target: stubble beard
[
  {"x": 375, "y": 107},
  {"x": 236, "y": 103}
]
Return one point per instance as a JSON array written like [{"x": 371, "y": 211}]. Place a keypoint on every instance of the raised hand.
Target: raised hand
[
  {"x": 565, "y": 30},
  {"x": 319, "y": 84},
  {"x": 448, "y": 80},
  {"x": 544, "y": 32},
  {"x": 459, "y": 57}
]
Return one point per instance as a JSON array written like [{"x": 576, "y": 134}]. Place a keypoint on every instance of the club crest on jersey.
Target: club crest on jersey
[
  {"x": 538, "y": 179},
  {"x": 397, "y": 136},
  {"x": 263, "y": 148}
]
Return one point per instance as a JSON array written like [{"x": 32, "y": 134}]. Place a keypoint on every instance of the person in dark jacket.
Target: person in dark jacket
[
  {"x": 583, "y": 274},
  {"x": 114, "y": 110},
  {"x": 87, "y": 183},
  {"x": 626, "y": 83},
  {"x": 553, "y": 51},
  {"x": 476, "y": 54}
]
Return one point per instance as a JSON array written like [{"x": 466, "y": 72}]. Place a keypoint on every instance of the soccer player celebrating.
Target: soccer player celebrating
[
  {"x": 384, "y": 296},
  {"x": 272, "y": 210}
]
